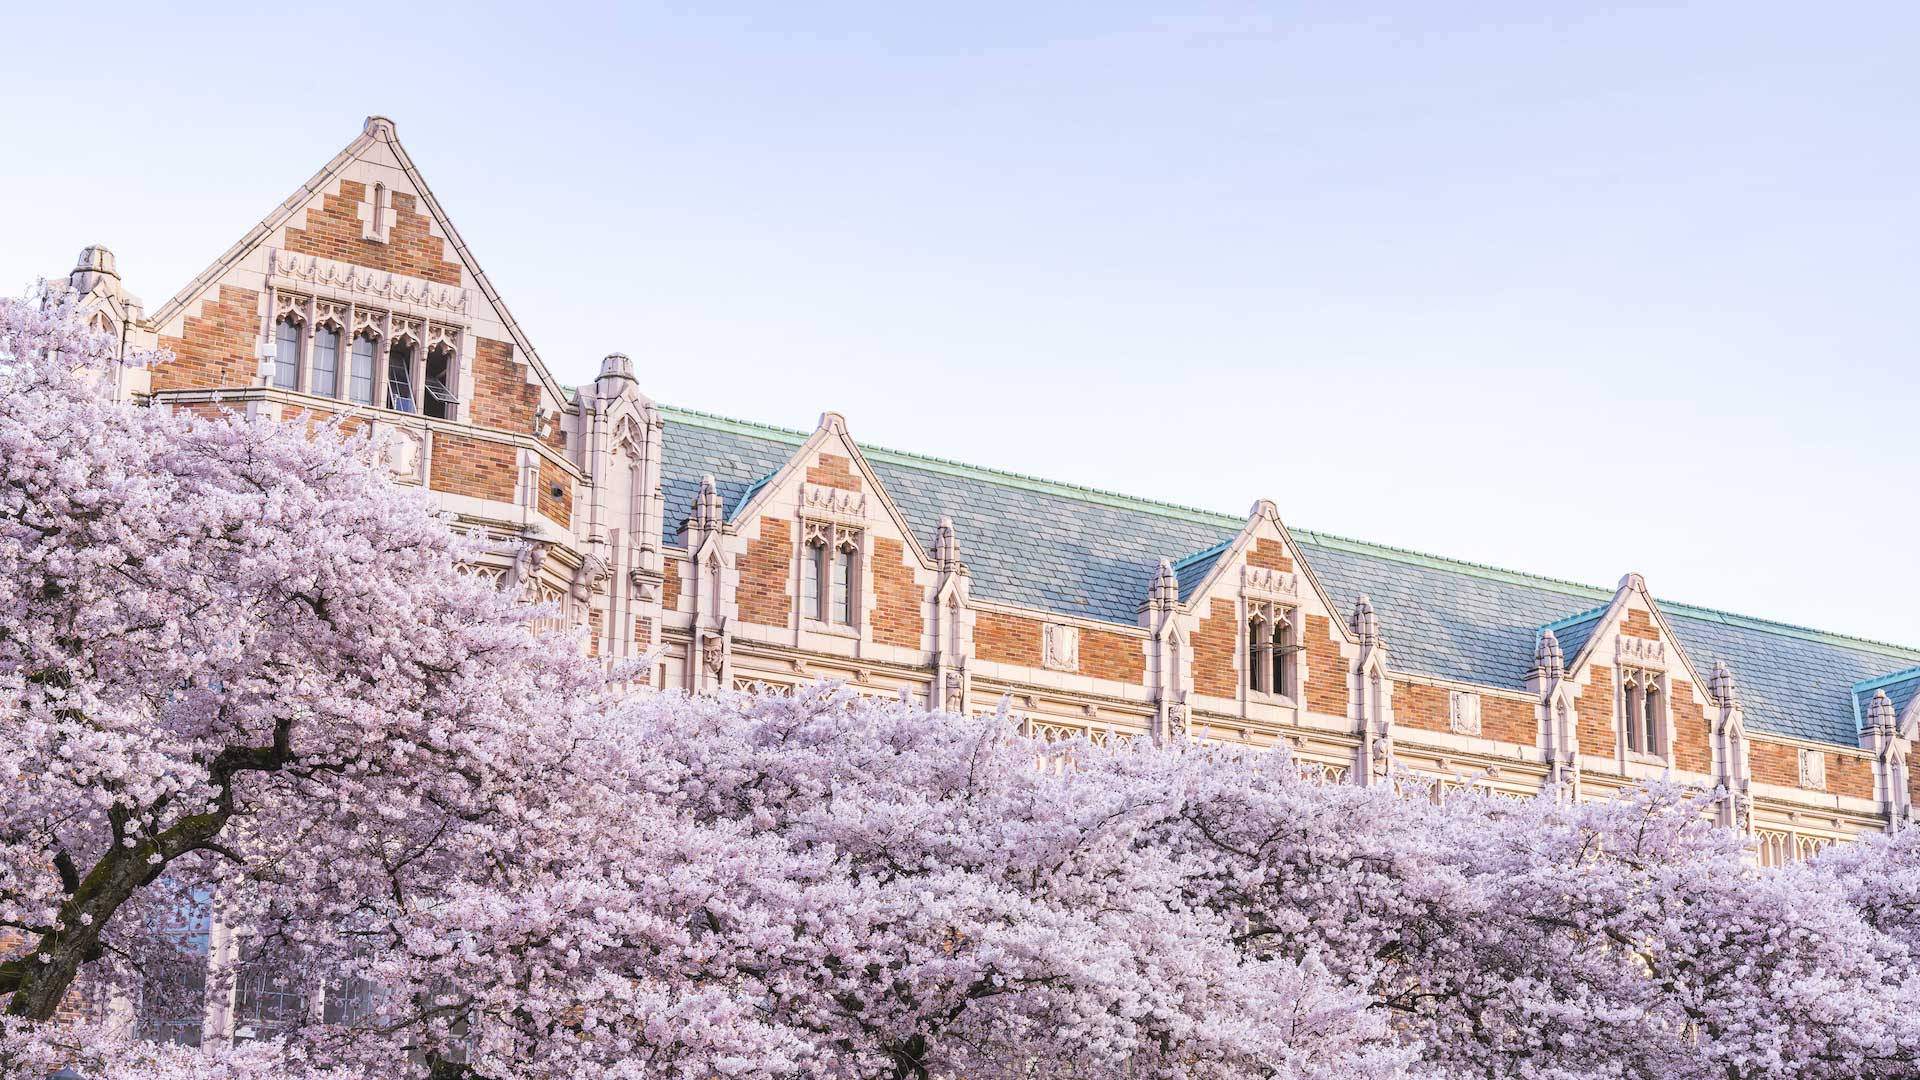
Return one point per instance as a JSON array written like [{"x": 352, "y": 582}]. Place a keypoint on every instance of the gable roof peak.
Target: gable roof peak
[
  {"x": 380, "y": 127},
  {"x": 1634, "y": 582},
  {"x": 833, "y": 422},
  {"x": 1264, "y": 508}
]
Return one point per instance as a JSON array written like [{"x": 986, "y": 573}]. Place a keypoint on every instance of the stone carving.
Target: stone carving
[
  {"x": 527, "y": 561},
  {"x": 1640, "y": 651},
  {"x": 1272, "y": 582},
  {"x": 832, "y": 501},
  {"x": 951, "y": 698},
  {"x": 1463, "y": 712},
  {"x": 586, "y": 580},
  {"x": 1547, "y": 656},
  {"x": 1813, "y": 769},
  {"x": 713, "y": 655},
  {"x": 1060, "y": 647},
  {"x": 358, "y": 283}
]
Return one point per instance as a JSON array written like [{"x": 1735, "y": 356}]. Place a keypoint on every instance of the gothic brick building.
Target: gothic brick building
[{"x": 740, "y": 554}]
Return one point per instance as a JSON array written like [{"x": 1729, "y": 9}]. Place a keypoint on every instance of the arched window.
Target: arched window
[
  {"x": 326, "y": 361},
  {"x": 1644, "y": 712},
  {"x": 286, "y": 353},
  {"x": 829, "y": 573},
  {"x": 1270, "y": 649},
  {"x": 360, "y": 375}
]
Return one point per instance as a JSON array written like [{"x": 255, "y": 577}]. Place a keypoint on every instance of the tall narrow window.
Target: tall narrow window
[
  {"x": 842, "y": 607},
  {"x": 1270, "y": 649},
  {"x": 1643, "y": 709},
  {"x": 1650, "y": 718},
  {"x": 438, "y": 399},
  {"x": 810, "y": 581},
  {"x": 326, "y": 361},
  {"x": 360, "y": 378},
  {"x": 286, "y": 354},
  {"x": 173, "y": 974},
  {"x": 400, "y": 377},
  {"x": 267, "y": 1001}
]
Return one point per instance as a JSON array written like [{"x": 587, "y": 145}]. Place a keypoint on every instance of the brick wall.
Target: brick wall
[
  {"x": 468, "y": 466},
  {"x": 1776, "y": 763},
  {"x": 1595, "y": 705},
  {"x": 1006, "y": 639},
  {"x": 1639, "y": 624},
  {"x": 834, "y": 471},
  {"x": 670, "y": 588},
  {"x": 1326, "y": 690},
  {"x": 1692, "y": 741},
  {"x": 899, "y": 603},
  {"x": 334, "y": 231},
  {"x": 557, "y": 508},
  {"x": 1215, "y": 670},
  {"x": 1418, "y": 705},
  {"x": 596, "y": 626},
  {"x": 764, "y": 570},
  {"x": 503, "y": 399},
  {"x": 217, "y": 346},
  {"x": 642, "y": 632},
  {"x": 1105, "y": 655},
  {"x": 1847, "y": 775},
  {"x": 1269, "y": 554}
]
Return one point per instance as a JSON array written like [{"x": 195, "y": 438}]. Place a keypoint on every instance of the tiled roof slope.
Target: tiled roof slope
[
  {"x": 1901, "y": 688},
  {"x": 1077, "y": 551}
]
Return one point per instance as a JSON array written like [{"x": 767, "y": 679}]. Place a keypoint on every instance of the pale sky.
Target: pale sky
[{"x": 1570, "y": 289}]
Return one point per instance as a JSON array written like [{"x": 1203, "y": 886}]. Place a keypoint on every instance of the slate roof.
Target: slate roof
[
  {"x": 1574, "y": 631},
  {"x": 1081, "y": 552},
  {"x": 1901, "y": 687}
]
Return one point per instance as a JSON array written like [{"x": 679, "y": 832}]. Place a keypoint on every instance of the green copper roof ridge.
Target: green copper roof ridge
[
  {"x": 1205, "y": 552},
  {"x": 1558, "y": 625},
  {"x": 1196, "y": 515},
  {"x": 1880, "y": 681}
]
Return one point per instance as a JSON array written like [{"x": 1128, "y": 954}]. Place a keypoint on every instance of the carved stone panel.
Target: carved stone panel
[
  {"x": 1060, "y": 647},
  {"x": 1463, "y": 712}
]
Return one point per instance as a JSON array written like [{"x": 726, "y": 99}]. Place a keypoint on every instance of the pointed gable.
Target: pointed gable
[{"x": 365, "y": 230}]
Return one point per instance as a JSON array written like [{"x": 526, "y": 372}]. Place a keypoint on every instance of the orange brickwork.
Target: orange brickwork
[
  {"x": 835, "y": 472},
  {"x": 476, "y": 467},
  {"x": 1595, "y": 729},
  {"x": 1326, "y": 689},
  {"x": 1105, "y": 655},
  {"x": 1268, "y": 554},
  {"x": 1692, "y": 740},
  {"x": 1006, "y": 639},
  {"x": 764, "y": 570},
  {"x": 1215, "y": 640},
  {"x": 1639, "y": 624},
  {"x": 1425, "y": 707},
  {"x": 557, "y": 508},
  {"x": 216, "y": 348},
  {"x": 670, "y": 588},
  {"x": 335, "y": 230},
  {"x": 503, "y": 399},
  {"x": 899, "y": 603}
]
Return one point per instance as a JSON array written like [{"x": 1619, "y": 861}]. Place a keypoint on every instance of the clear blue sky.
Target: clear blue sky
[{"x": 1572, "y": 289}]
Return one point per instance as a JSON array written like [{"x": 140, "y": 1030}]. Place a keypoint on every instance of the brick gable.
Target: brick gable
[
  {"x": 334, "y": 230},
  {"x": 834, "y": 471},
  {"x": 502, "y": 397}
]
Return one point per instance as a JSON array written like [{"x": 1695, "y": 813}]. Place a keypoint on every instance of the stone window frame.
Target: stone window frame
[
  {"x": 1645, "y": 736},
  {"x": 1257, "y": 655},
  {"x": 821, "y": 540},
  {"x": 353, "y": 320}
]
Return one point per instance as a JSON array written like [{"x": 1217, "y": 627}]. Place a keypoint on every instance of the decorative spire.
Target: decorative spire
[
  {"x": 1365, "y": 624},
  {"x": 946, "y": 547},
  {"x": 706, "y": 508},
  {"x": 1166, "y": 587},
  {"x": 1547, "y": 656},
  {"x": 1725, "y": 690},
  {"x": 616, "y": 366},
  {"x": 1880, "y": 716}
]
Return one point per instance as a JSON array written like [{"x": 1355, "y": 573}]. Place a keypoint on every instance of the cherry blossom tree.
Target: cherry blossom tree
[{"x": 242, "y": 672}]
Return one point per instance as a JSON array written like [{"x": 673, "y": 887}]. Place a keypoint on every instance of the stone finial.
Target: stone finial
[
  {"x": 1365, "y": 624},
  {"x": 1548, "y": 657},
  {"x": 1880, "y": 715},
  {"x": 1634, "y": 582},
  {"x": 379, "y": 127},
  {"x": 946, "y": 547},
  {"x": 1725, "y": 689},
  {"x": 1166, "y": 587},
  {"x": 616, "y": 366},
  {"x": 94, "y": 264},
  {"x": 706, "y": 508}
]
